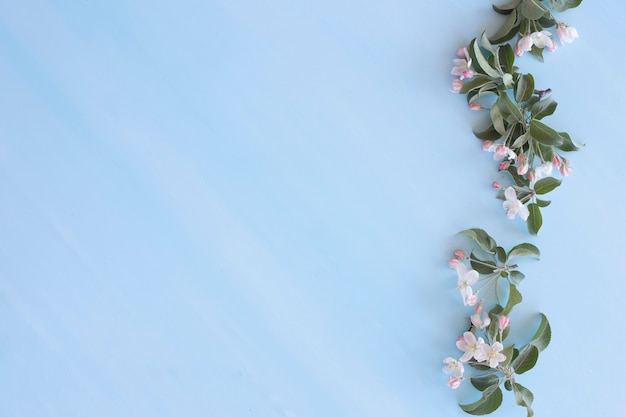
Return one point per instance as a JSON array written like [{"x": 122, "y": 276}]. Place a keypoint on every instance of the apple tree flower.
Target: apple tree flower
[
  {"x": 480, "y": 322},
  {"x": 500, "y": 151},
  {"x": 543, "y": 169},
  {"x": 513, "y": 206},
  {"x": 503, "y": 322},
  {"x": 452, "y": 365},
  {"x": 543, "y": 40},
  {"x": 454, "y": 381},
  {"x": 467, "y": 278},
  {"x": 469, "y": 345},
  {"x": 524, "y": 44},
  {"x": 491, "y": 354},
  {"x": 462, "y": 65},
  {"x": 566, "y": 33},
  {"x": 456, "y": 85}
]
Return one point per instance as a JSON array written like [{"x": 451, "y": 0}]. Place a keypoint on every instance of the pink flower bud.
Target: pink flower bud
[
  {"x": 453, "y": 263},
  {"x": 504, "y": 165},
  {"x": 565, "y": 170},
  {"x": 486, "y": 145},
  {"x": 462, "y": 52},
  {"x": 503, "y": 322},
  {"x": 475, "y": 106},
  {"x": 471, "y": 299},
  {"x": 479, "y": 308},
  {"x": 456, "y": 85},
  {"x": 496, "y": 185},
  {"x": 566, "y": 34},
  {"x": 460, "y": 254},
  {"x": 556, "y": 161},
  {"x": 454, "y": 381},
  {"x": 532, "y": 176}
]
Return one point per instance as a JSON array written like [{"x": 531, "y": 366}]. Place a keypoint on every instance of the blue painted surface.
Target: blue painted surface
[{"x": 239, "y": 208}]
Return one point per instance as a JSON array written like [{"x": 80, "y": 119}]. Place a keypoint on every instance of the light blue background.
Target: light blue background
[{"x": 246, "y": 208}]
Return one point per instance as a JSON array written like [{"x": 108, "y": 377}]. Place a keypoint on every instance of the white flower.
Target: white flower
[
  {"x": 466, "y": 280},
  {"x": 543, "y": 169},
  {"x": 480, "y": 322},
  {"x": 566, "y": 34},
  {"x": 454, "y": 381},
  {"x": 513, "y": 206},
  {"x": 543, "y": 40},
  {"x": 490, "y": 354},
  {"x": 453, "y": 366},
  {"x": 463, "y": 65},
  {"x": 500, "y": 151},
  {"x": 469, "y": 345}
]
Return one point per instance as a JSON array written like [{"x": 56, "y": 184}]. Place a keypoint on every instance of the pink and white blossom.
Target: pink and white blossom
[
  {"x": 453, "y": 366},
  {"x": 460, "y": 254},
  {"x": 462, "y": 65},
  {"x": 480, "y": 322},
  {"x": 543, "y": 40},
  {"x": 496, "y": 185},
  {"x": 543, "y": 169},
  {"x": 453, "y": 263},
  {"x": 565, "y": 169},
  {"x": 467, "y": 278},
  {"x": 469, "y": 344},
  {"x": 522, "y": 164},
  {"x": 566, "y": 33},
  {"x": 456, "y": 85},
  {"x": 500, "y": 151},
  {"x": 475, "y": 106},
  {"x": 504, "y": 165},
  {"x": 531, "y": 175},
  {"x": 503, "y": 322},
  {"x": 514, "y": 206},
  {"x": 524, "y": 44},
  {"x": 556, "y": 161},
  {"x": 454, "y": 381},
  {"x": 490, "y": 354}
]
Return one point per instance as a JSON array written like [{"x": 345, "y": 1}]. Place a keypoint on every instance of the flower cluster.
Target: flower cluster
[
  {"x": 526, "y": 148},
  {"x": 484, "y": 347}
]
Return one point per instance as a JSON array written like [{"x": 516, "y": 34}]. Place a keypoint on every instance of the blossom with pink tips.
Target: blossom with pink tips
[
  {"x": 454, "y": 381},
  {"x": 566, "y": 33},
  {"x": 531, "y": 175},
  {"x": 565, "y": 170},
  {"x": 500, "y": 151},
  {"x": 453, "y": 263},
  {"x": 524, "y": 44},
  {"x": 490, "y": 354},
  {"x": 456, "y": 85},
  {"x": 543, "y": 40},
  {"x": 480, "y": 322},
  {"x": 462, "y": 65},
  {"x": 475, "y": 106},
  {"x": 522, "y": 164},
  {"x": 469, "y": 344},
  {"x": 514, "y": 206},
  {"x": 556, "y": 161},
  {"x": 503, "y": 322},
  {"x": 460, "y": 254},
  {"x": 453, "y": 366},
  {"x": 496, "y": 185},
  {"x": 467, "y": 278}
]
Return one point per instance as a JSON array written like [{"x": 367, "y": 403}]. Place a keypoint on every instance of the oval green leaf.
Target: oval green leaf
[
  {"x": 542, "y": 336},
  {"x": 524, "y": 249},
  {"x": 545, "y": 185},
  {"x": 526, "y": 360},
  {"x": 524, "y": 88},
  {"x": 481, "y": 237},
  {"x": 544, "y": 134},
  {"x": 534, "y": 220},
  {"x": 486, "y": 405}
]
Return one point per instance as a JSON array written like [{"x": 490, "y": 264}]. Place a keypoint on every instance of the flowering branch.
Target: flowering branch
[
  {"x": 526, "y": 148},
  {"x": 484, "y": 345}
]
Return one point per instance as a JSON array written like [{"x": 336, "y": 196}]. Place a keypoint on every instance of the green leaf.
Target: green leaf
[
  {"x": 484, "y": 41},
  {"x": 524, "y": 88},
  {"x": 481, "y": 237},
  {"x": 520, "y": 141},
  {"x": 534, "y": 220},
  {"x": 515, "y": 297},
  {"x": 523, "y": 397},
  {"x": 506, "y": 8},
  {"x": 483, "y": 382},
  {"x": 480, "y": 62},
  {"x": 538, "y": 52},
  {"x": 507, "y": 385},
  {"x": 488, "y": 134},
  {"x": 486, "y": 405},
  {"x": 497, "y": 120},
  {"x": 506, "y": 57},
  {"x": 477, "y": 264},
  {"x": 508, "y": 30},
  {"x": 542, "y": 336},
  {"x": 526, "y": 359},
  {"x": 475, "y": 83},
  {"x": 532, "y": 10},
  {"x": 543, "y": 203},
  {"x": 516, "y": 277},
  {"x": 509, "y": 110},
  {"x": 544, "y": 134},
  {"x": 501, "y": 254},
  {"x": 524, "y": 249},
  {"x": 568, "y": 144},
  {"x": 545, "y": 185},
  {"x": 543, "y": 108},
  {"x": 562, "y": 5}
]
